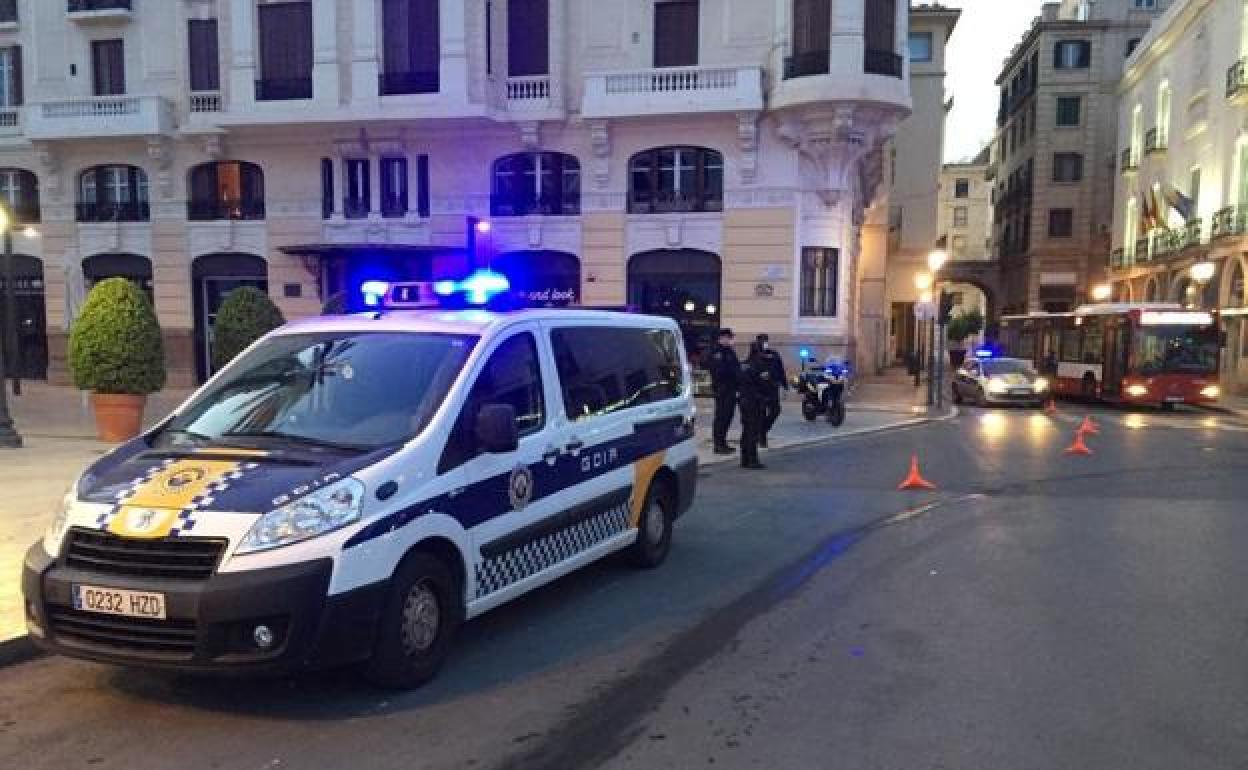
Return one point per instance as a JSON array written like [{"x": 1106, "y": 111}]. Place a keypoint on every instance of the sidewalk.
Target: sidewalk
[{"x": 58, "y": 431}]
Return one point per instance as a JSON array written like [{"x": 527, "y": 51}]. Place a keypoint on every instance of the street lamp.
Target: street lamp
[
  {"x": 9, "y": 437},
  {"x": 936, "y": 260},
  {"x": 1202, "y": 272},
  {"x": 1102, "y": 292},
  {"x": 922, "y": 281}
]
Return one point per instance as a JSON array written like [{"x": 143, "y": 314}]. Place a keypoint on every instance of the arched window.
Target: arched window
[
  {"x": 226, "y": 190},
  {"x": 676, "y": 179},
  {"x": 113, "y": 194},
  {"x": 536, "y": 183},
  {"x": 19, "y": 193}
]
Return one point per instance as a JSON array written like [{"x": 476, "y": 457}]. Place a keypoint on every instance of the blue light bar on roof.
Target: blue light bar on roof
[{"x": 374, "y": 292}]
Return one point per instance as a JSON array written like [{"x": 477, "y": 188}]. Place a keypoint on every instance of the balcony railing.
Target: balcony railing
[
  {"x": 206, "y": 101},
  {"x": 1117, "y": 259},
  {"x": 887, "y": 63},
  {"x": 398, "y": 83},
  {"x": 1237, "y": 79},
  {"x": 356, "y": 208},
  {"x": 1193, "y": 233},
  {"x": 100, "y": 116},
  {"x": 1142, "y": 247},
  {"x": 501, "y": 206},
  {"x": 1129, "y": 161},
  {"x": 281, "y": 89},
  {"x": 393, "y": 207},
  {"x": 1154, "y": 141},
  {"x": 801, "y": 65},
  {"x": 671, "y": 202},
  {"x": 212, "y": 210},
  {"x": 90, "y": 6},
  {"x": 113, "y": 212},
  {"x": 8, "y": 11},
  {"x": 10, "y": 119},
  {"x": 1230, "y": 221},
  {"x": 529, "y": 89},
  {"x": 672, "y": 91}
]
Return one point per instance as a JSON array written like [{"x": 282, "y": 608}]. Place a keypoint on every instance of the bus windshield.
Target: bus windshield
[
  {"x": 1175, "y": 350},
  {"x": 353, "y": 391}
]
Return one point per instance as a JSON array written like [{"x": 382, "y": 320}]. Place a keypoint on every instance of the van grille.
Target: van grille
[
  {"x": 168, "y": 639},
  {"x": 181, "y": 558}
]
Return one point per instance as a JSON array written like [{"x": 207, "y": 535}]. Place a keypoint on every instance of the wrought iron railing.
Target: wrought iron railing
[
  {"x": 209, "y": 210},
  {"x": 808, "y": 63},
  {"x": 280, "y": 89},
  {"x": 883, "y": 63},
  {"x": 1237, "y": 79},
  {"x": 128, "y": 211},
  {"x": 396, "y": 83}
]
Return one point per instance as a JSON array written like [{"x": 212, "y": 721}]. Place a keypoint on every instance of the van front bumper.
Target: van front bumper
[{"x": 211, "y": 624}]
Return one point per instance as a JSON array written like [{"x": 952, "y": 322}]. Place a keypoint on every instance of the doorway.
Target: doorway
[
  {"x": 684, "y": 285},
  {"x": 902, "y": 330},
  {"x": 30, "y": 362},
  {"x": 213, "y": 277}
]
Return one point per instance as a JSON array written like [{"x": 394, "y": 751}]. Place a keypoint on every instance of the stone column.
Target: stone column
[
  {"x": 365, "y": 64},
  {"x": 242, "y": 81},
  {"x": 325, "y": 85},
  {"x": 454, "y": 65},
  {"x": 557, "y": 46}
]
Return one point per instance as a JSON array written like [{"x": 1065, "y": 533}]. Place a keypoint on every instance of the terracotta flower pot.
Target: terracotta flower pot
[{"x": 118, "y": 417}]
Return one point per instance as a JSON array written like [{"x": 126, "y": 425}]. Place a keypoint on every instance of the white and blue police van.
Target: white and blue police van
[{"x": 350, "y": 489}]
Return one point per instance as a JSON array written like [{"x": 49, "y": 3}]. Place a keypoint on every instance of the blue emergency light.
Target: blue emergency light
[
  {"x": 804, "y": 353},
  {"x": 374, "y": 292},
  {"x": 477, "y": 289},
  {"x": 982, "y": 353}
]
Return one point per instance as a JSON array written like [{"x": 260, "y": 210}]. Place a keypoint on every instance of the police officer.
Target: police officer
[
  {"x": 725, "y": 369},
  {"x": 753, "y": 387},
  {"x": 776, "y": 379}
]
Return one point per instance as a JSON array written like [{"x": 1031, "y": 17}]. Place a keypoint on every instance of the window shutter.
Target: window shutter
[
  {"x": 422, "y": 185},
  {"x": 880, "y": 29},
  {"x": 676, "y": 33}
]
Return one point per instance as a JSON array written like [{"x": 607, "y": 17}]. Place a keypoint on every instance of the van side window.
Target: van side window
[
  {"x": 512, "y": 376},
  {"x": 603, "y": 369}
]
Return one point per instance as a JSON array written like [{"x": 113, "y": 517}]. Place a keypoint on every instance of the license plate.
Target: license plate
[
  {"x": 1021, "y": 391},
  {"x": 1174, "y": 399},
  {"x": 119, "y": 601}
]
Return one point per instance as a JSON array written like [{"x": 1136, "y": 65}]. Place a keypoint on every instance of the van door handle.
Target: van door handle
[{"x": 575, "y": 445}]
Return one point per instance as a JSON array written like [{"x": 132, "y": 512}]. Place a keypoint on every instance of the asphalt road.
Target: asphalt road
[{"x": 1038, "y": 611}]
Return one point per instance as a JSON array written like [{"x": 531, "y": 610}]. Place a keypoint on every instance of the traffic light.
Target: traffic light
[{"x": 946, "y": 307}]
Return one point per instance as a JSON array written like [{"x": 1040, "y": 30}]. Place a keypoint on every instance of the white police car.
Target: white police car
[
  {"x": 350, "y": 489},
  {"x": 986, "y": 379}
]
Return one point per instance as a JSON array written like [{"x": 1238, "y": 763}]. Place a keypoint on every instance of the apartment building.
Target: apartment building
[
  {"x": 1181, "y": 199},
  {"x": 913, "y": 181},
  {"x": 1056, "y": 140},
  {"x": 711, "y": 160},
  {"x": 965, "y": 224}
]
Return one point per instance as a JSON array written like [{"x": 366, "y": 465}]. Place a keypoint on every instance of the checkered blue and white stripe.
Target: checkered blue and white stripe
[{"x": 498, "y": 572}]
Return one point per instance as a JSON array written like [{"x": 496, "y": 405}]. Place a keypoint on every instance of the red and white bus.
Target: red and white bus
[{"x": 1149, "y": 353}]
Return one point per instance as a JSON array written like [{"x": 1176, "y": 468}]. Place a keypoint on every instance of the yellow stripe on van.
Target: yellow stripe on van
[
  {"x": 643, "y": 475},
  {"x": 152, "y": 508}
]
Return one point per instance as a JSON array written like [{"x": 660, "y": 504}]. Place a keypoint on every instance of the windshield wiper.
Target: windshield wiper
[{"x": 295, "y": 438}]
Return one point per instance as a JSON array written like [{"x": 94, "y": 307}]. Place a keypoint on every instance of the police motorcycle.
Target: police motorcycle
[{"x": 824, "y": 389}]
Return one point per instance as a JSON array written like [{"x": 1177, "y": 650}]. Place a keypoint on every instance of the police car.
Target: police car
[
  {"x": 350, "y": 489},
  {"x": 986, "y": 379}
]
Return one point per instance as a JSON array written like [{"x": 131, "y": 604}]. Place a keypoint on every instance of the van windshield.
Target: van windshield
[{"x": 335, "y": 390}]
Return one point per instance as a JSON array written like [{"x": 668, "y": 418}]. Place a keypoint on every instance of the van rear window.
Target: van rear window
[{"x": 605, "y": 369}]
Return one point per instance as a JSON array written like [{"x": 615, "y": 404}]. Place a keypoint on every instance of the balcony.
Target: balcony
[
  {"x": 99, "y": 10},
  {"x": 1155, "y": 141},
  {"x": 886, "y": 63},
  {"x": 401, "y": 83},
  {"x": 10, "y": 121},
  {"x": 205, "y": 102},
  {"x": 802, "y": 65},
  {"x": 530, "y": 91},
  {"x": 1193, "y": 233},
  {"x": 283, "y": 89},
  {"x": 113, "y": 212},
  {"x": 1129, "y": 163},
  {"x": 215, "y": 210},
  {"x": 1117, "y": 259},
  {"x": 672, "y": 91},
  {"x": 1229, "y": 222},
  {"x": 100, "y": 116},
  {"x": 1237, "y": 80}
]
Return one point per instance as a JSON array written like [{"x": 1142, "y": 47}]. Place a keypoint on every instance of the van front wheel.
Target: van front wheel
[
  {"x": 423, "y": 612},
  {"x": 654, "y": 530}
]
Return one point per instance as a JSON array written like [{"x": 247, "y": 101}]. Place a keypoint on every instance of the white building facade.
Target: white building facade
[
  {"x": 711, "y": 160},
  {"x": 1182, "y": 192}
]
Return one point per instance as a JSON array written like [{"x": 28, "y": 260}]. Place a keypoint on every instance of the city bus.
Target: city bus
[{"x": 1155, "y": 353}]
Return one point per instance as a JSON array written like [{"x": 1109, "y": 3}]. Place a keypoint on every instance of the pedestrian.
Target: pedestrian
[
  {"x": 776, "y": 379},
  {"x": 725, "y": 369},
  {"x": 752, "y": 389}
]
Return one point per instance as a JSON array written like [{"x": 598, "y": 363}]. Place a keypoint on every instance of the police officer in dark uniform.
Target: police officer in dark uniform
[
  {"x": 777, "y": 379},
  {"x": 753, "y": 387},
  {"x": 725, "y": 369}
]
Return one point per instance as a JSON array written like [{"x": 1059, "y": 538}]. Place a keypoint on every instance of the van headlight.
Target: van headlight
[
  {"x": 1040, "y": 385},
  {"x": 54, "y": 535},
  {"x": 1137, "y": 391},
  {"x": 1210, "y": 391},
  {"x": 325, "y": 510},
  {"x": 997, "y": 385}
]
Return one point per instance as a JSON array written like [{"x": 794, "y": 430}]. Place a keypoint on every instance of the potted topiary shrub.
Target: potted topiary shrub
[
  {"x": 246, "y": 315},
  {"x": 962, "y": 327},
  {"x": 115, "y": 352}
]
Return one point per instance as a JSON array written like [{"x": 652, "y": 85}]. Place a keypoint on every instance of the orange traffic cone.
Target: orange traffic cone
[
  {"x": 1078, "y": 448},
  {"x": 1088, "y": 428},
  {"x": 1050, "y": 408},
  {"x": 915, "y": 480}
]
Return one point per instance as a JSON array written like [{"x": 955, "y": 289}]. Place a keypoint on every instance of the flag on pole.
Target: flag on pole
[{"x": 1179, "y": 202}]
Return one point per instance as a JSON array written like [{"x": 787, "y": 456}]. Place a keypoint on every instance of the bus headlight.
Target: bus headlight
[
  {"x": 1137, "y": 390},
  {"x": 997, "y": 385},
  {"x": 326, "y": 510},
  {"x": 1040, "y": 385},
  {"x": 1210, "y": 391}
]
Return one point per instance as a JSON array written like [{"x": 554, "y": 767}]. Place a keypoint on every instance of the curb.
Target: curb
[
  {"x": 18, "y": 650},
  {"x": 817, "y": 440}
]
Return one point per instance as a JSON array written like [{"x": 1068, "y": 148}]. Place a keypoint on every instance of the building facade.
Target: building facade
[
  {"x": 712, "y": 160},
  {"x": 965, "y": 225},
  {"x": 1056, "y": 134},
  {"x": 1181, "y": 198},
  {"x": 914, "y": 175}
]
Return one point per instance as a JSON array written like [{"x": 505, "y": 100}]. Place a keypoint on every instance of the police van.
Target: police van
[{"x": 350, "y": 489}]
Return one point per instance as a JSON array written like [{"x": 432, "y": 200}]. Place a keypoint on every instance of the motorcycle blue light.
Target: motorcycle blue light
[
  {"x": 804, "y": 353},
  {"x": 983, "y": 353}
]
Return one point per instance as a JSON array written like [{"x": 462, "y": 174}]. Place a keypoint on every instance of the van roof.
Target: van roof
[{"x": 476, "y": 322}]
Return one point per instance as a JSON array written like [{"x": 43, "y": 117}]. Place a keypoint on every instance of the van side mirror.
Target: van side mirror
[{"x": 496, "y": 429}]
